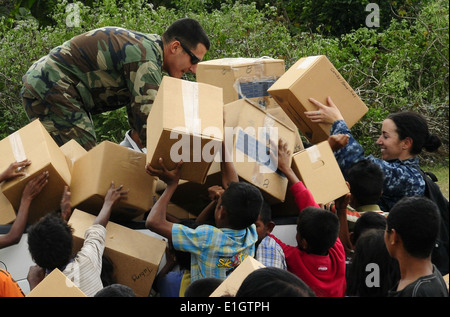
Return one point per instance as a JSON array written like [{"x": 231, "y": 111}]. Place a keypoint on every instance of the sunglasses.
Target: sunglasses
[{"x": 194, "y": 59}]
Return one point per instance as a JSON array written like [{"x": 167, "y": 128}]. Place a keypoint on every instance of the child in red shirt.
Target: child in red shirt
[{"x": 319, "y": 258}]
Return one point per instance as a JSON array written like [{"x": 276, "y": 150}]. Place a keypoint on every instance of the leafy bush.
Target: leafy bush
[{"x": 401, "y": 65}]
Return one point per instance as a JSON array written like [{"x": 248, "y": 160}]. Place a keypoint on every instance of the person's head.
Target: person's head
[
  {"x": 185, "y": 45},
  {"x": 412, "y": 227},
  {"x": 264, "y": 223},
  {"x": 368, "y": 220},
  {"x": 273, "y": 282},
  {"x": 50, "y": 242},
  {"x": 405, "y": 134},
  {"x": 373, "y": 271},
  {"x": 202, "y": 287},
  {"x": 366, "y": 183},
  {"x": 239, "y": 206},
  {"x": 115, "y": 290},
  {"x": 317, "y": 230}
]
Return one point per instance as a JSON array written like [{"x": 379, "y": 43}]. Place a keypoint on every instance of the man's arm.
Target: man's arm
[{"x": 157, "y": 218}]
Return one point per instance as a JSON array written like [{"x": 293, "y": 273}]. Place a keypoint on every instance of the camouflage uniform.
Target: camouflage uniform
[{"x": 98, "y": 71}]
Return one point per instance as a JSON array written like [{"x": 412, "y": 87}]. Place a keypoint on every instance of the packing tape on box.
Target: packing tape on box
[
  {"x": 313, "y": 153},
  {"x": 307, "y": 62},
  {"x": 192, "y": 120},
  {"x": 17, "y": 147}
]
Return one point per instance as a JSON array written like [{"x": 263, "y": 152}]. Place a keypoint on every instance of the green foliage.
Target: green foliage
[{"x": 401, "y": 65}]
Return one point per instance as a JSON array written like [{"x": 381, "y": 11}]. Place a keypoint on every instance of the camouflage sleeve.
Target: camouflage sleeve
[{"x": 143, "y": 80}]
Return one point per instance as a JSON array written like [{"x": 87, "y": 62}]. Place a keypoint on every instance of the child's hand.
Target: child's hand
[
  {"x": 66, "y": 207},
  {"x": 338, "y": 141},
  {"x": 169, "y": 177},
  {"x": 284, "y": 156},
  {"x": 214, "y": 192},
  {"x": 14, "y": 170},
  {"x": 34, "y": 187},
  {"x": 115, "y": 194}
]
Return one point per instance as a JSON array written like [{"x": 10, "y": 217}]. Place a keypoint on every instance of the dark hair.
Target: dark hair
[
  {"x": 319, "y": 227},
  {"x": 202, "y": 287},
  {"x": 273, "y": 282},
  {"x": 266, "y": 213},
  {"x": 243, "y": 203},
  {"x": 416, "y": 220},
  {"x": 188, "y": 31},
  {"x": 368, "y": 220},
  {"x": 366, "y": 182},
  {"x": 115, "y": 290},
  {"x": 414, "y": 125},
  {"x": 372, "y": 256},
  {"x": 50, "y": 242}
]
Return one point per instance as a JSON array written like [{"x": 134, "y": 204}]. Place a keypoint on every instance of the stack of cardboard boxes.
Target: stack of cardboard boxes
[{"x": 248, "y": 104}]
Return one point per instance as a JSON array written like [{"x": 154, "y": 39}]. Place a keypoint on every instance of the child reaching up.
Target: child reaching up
[{"x": 319, "y": 257}]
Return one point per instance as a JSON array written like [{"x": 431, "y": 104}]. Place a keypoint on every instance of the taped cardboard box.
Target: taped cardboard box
[
  {"x": 56, "y": 284},
  {"x": 317, "y": 167},
  {"x": 255, "y": 140},
  {"x": 185, "y": 123},
  {"x": 316, "y": 77},
  {"x": 108, "y": 162},
  {"x": 135, "y": 256},
  {"x": 72, "y": 150},
  {"x": 33, "y": 142},
  {"x": 231, "y": 284},
  {"x": 242, "y": 77}
]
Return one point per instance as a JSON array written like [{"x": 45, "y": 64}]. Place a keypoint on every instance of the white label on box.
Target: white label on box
[
  {"x": 313, "y": 153},
  {"x": 17, "y": 146},
  {"x": 307, "y": 62},
  {"x": 190, "y": 104}
]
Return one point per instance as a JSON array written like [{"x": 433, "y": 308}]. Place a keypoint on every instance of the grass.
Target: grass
[{"x": 442, "y": 174}]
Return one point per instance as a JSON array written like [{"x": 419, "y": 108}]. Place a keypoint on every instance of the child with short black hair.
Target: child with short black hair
[
  {"x": 319, "y": 257},
  {"x": 216, "y": 250},
  {"x": 411, "y": 232},
  {"x": 268, "y": 251}
]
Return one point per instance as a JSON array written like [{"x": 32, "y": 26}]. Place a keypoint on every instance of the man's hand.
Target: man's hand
[{"x": 214, "y": 192}]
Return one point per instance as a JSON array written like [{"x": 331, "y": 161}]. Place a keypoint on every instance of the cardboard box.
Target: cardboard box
[
  {"x": 94, "y": 171},
  {"x": 317, "y": 167},
  {"x": 72, "y": 150},
  {"x": 33, "y": 142},
  {"x": 185, "y": 123},
  {"x": 241, "y": 77},
  {"x": 56, "y": 284},
  {"x": 256, "y": 133},
  {"x": 7, "y": 213},
  {"x": 135, "y": 255},
  {"x": 315, "y": 77},
  {"x": 231, "y": 284}
]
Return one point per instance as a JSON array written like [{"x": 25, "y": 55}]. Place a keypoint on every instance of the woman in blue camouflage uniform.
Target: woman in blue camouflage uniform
[{"x": 403, "y": 136}]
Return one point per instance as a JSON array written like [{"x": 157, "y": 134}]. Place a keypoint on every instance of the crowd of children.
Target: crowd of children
[
  {"x": 380, "y": 254},
  {"x": 330, "y": 259}
]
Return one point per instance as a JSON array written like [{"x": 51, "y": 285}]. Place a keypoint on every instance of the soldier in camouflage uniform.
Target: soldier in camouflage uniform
[{"x": 106, "y": 69}]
